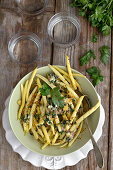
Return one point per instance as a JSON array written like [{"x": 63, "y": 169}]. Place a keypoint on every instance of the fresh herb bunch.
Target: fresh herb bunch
[
  {"x": 95, "y": 74},
  {"x": 99, "y": 12},
  {"x": 87, "y": 57},
  {"x": 105, "y": 54}
]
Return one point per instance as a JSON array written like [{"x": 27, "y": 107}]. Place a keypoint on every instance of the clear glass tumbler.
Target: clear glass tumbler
[
  {"x": 25, "y": 47},
  {"x": 64, "y": 29},
  {"x": 31, "y": 7}
]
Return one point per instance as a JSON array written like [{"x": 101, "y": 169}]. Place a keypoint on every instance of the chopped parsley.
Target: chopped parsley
[
  {"x": 70, "y": 108},
  {"x": 36, "y": 116},
  {"x": 53, "y": 115},
  {"x": 48, "y": 121},
  {"x": 24, "y": 118},
  {"x": 64, "y": 123},
  {"x": 52, "y": 81},
  {"x": 68, "y": 139},
  {"x": 48, "y": 113},
  {"x": 55, "y": 126}
]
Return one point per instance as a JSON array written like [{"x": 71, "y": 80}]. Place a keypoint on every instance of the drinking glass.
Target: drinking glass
[
  {"x": 64, "y": 29},
  {"x": 25, "y": 47},
  {"x": 31, "y": 7}
]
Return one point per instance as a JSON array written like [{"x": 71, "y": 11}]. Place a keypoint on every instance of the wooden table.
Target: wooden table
[{"x": 10, "y": 73}]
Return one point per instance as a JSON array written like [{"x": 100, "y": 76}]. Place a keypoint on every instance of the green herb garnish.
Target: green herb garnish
[
  {"x": 94, "y": 38},
  {"x": 68, "y": 139},
  {"x": 105, "y": 54},
  {"x": 45, "y": 90},
  {"x": 95, "y": 74},
  {"x": 99, "y": 13},
  {"x": 87, "y": 57},
  {"x": 36, "y": 116},
  {"x": 70, "y": 108},
  {"x": 48, "y": 113},
  {"x": 64, "y": 122},
  {"x": 55, "y": 126},
  {"x": 53, "y": 115},
  {"x": 48, "y": 121},
  {"x": 25, "y": 118},
  {"x": 57, "y": 99}
]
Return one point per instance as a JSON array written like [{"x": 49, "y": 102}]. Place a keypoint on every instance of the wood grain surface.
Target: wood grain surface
[{"x": 11, "y": 22}]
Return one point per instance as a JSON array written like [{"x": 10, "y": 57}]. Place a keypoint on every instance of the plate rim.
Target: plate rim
[
  {"x": 10, "y": 117},
  {"x": 50, "y": 163}
]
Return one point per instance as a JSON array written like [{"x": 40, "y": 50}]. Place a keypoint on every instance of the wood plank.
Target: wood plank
[
  {"x": 110, "y": 158},
  {"x": 103, "y": 88},
  {"x": 11, "y": 72}
]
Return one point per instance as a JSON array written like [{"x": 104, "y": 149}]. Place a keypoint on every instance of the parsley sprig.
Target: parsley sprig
[
  {"x": 57, "y": 99},
  {"x": 45, "y": 90},
  {"x": 87, "y": 57},
  {"x": 95, "y": 74}
]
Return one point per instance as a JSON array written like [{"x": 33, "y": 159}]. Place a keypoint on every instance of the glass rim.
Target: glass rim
[
  {"x": 59, "y": 17},
  {"x": 24, "y": 35},
  {"x": 23, "y": 11}
]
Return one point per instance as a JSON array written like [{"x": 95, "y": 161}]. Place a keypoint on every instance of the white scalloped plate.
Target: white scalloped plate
[{"x": 45, "y": 161}]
